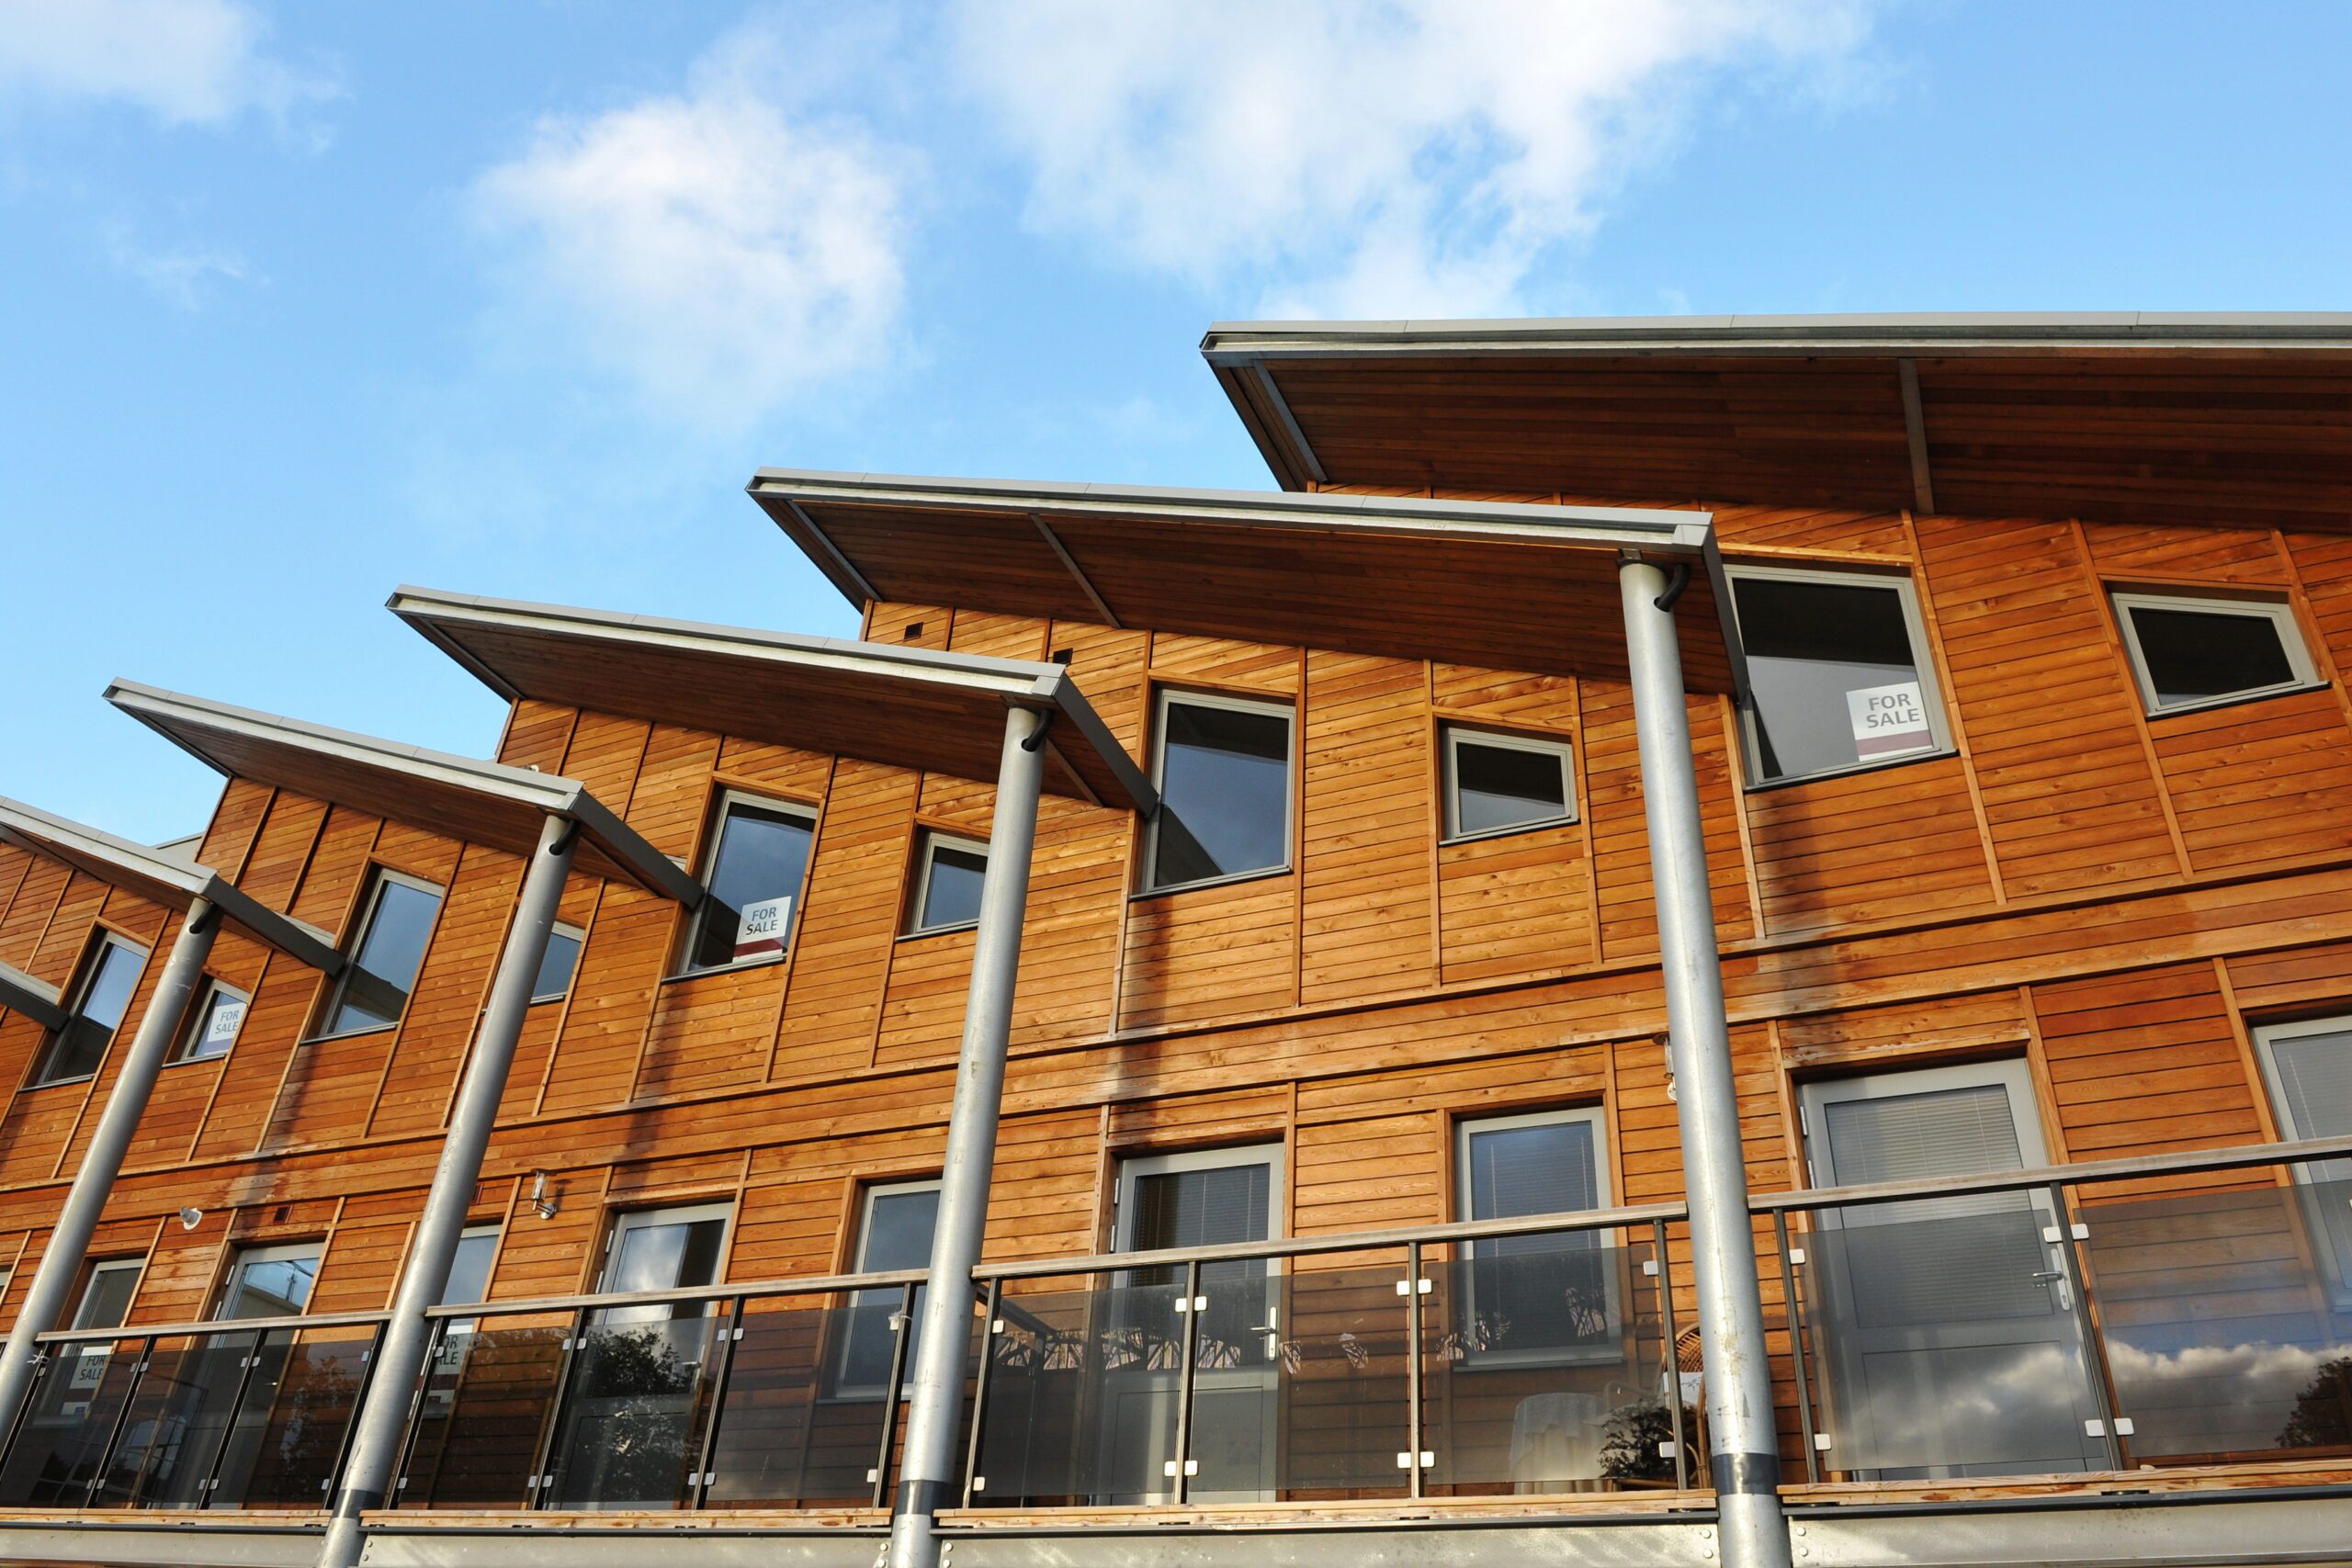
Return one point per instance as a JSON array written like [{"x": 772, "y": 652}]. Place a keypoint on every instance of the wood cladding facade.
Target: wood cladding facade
[{"x": 2113, "y": 898}]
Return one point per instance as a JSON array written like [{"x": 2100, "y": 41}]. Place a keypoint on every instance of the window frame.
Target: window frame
[
  {"x": 1452, "y": 733},
  {"x": 262, "y": 1252},
  {"x": 928, "y": 841},
  {"x": 682, "y": 967},
  {"x": 2279, "y": 613},
  {"x": 2307, "y": 1178},
  {"x": 85, "y": 978},
  {"x": 98, "y": 1265},
  {"x": 837, "y": 1386},
  {"x": 1129, "y": 1167},
  {"x": 378, "y": 877},
  {"x": 1163, "y": 697},
  {"x": 1922, "y": 662},
  {"x": 1595, "y": 1117},
  {"x": 183, "y": 1049},
  {"x": 579, "y": 934}
]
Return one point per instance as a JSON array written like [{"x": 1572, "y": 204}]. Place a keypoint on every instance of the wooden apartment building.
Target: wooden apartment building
[{"x": 2012, "y": 661}]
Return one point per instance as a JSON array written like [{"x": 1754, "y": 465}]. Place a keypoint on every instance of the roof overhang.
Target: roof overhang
[
  {"x": 906, "y": 706},
  {"x": 1503, "y": 584},
  {"x": 160, "y": 878},
  {"x": 37, "y": 999},
  {"x": 2242, "y": 418},
  {"x": 458, "y": 797}
]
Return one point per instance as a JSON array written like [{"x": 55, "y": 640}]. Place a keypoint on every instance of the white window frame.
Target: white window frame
[
  {"x": 276, "y": 1252},
  {"x": 85, "y": 977},
  {"x": 578, "y": 934},
  {"x": 1594, "y": 1117},
  {"x": 1273, "y": 707},
  {"x": 378, "y": 878},
  {"x": 929, "y": 843},
  {"x": 840, "y": 1388},
  {"x": 2265, "y": 1036},
  {"x": 728, "y": 800},
  {"x": 2277, "y": 611},
  {"x": 90, "y": 1284},
  {"x": 184, "y": 1050},
  {"x": 1134, "y": 1167},
  {"x": 1451, "y": 736},
  {"x": 1915, "y": 627},
  {"x": 625, "y": 1220}
]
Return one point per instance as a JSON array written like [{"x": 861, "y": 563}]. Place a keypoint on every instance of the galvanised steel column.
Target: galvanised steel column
[
  {"x": 935, "y": 1393},
  {"x": 1741, "y": 1431},
  {"x": 382, "y": 1417},
  {"x": 69, "y": 1240}
]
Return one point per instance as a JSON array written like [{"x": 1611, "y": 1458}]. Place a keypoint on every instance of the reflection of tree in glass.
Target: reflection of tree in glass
[
  {"x": 2322, "y": 1414},
  {"x": 307, "y": 1431},
  {"x": 1637, "y": 1442},
  {"x": 637, "y": 1393}
]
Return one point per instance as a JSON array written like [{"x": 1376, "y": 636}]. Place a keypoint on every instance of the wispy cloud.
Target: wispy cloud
[
  {"x": 718, "y": 251},
  {"x": 185, "y": 276},
  {"x": 1416, "y": 156},
  {"x": 185, "y": 62}
]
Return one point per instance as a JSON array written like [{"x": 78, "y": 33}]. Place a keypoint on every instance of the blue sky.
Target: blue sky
[{"x": 299, "y": 302}]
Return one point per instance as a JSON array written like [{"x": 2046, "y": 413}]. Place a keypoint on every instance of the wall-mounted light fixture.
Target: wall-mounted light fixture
[
  {"x": 543, "y": 1198},
  {"x": 191, "y": 1218}
]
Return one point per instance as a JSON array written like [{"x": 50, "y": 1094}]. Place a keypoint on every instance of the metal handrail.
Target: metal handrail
[
  {"x": 819, "y": 1284},
  {"x": 212, "y": 1327},
  {"x": 2186, "y": 1164}
]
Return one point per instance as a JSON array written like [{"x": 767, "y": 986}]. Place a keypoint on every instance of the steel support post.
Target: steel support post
[
  {"x": 69, "y": 1239},
  {"x": 377, "y": 1428},
  {"x": 935, "y": 1397},
  {"x": 1742, "y": 1435}
]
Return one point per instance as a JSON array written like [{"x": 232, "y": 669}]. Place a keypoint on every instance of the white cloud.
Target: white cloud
[
  {"x": 185, "y": 61},
  {"x": 1408, "y": 157},
  {"x": 720, "y": 253},
  {"x": 181, "y": 275}
]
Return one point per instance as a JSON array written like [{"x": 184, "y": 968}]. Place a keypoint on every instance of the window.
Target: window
[
  {"x": 894, "y": 1232},
  {"x": 469, "y": 1267},
  {"x": 1835, "y": 676},
  {"x": 107, "y": 1291},
  {"x": 1551, "y": 1296},
  {"x": 1222, "y": 767},
  {"x": 108, "y": 975},
  {"x": 270, "y": 1281},
  {"x": 562, "y": 956},
  {"x": 212, "y": 1023},
  {"x": 949, "y": 874},
  {"x": 2309, "y": 1065},
  {"x": 758, "y": 855},
  {"x": 393, "y": 928},
  {"x": 2192, "y": 653},
  {"x": 1502, "y": 784}
]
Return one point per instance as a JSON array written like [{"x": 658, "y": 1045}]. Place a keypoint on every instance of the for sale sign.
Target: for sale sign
[
  {"x": 1889, "y": 720},
  {"x": 761, "y": 928}
]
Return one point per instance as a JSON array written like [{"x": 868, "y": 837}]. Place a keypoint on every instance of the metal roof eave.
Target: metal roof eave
[
  {"x": 37, "y": 999},
  {"x": 548, "y": 794},
  {"x": 141, "y": 870},
  {"x": 1018, "y": 683}
]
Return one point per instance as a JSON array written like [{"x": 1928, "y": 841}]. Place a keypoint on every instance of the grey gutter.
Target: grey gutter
[
  {"x": 548, "y": 794},
  {"x": 37, "y": 999},
  {"x": 1239, "y": 343},
  {"x": 1020, "y": 682},
  {"x": 161, "y": 877}
]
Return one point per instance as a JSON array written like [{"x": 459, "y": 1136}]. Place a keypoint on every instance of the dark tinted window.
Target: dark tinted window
[
  {"x": 898, "y": 1235},
  {"x": 1498, "y": 785},
  {"x": 2194, "y": 656},
  {"x": 1835, "y": 679},
  {"x": 556, "y": 964},
  {"x": 374, "y": 991},
  {"x": 951, "y": 891},
  {"x": 754, "y": 880},
  {"x": 75, "y": 1051},
  {"x": 1224, "y": 793}
]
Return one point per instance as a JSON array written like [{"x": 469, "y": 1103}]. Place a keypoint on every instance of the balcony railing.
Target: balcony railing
[{"x": 2170, "y": 1311}]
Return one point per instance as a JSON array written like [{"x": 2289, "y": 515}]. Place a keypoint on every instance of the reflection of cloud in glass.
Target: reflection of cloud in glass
[{"x": 2216, "y": 1398}]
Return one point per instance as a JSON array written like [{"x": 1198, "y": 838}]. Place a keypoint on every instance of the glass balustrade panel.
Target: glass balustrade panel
[{"x": 486, "y": 1395}]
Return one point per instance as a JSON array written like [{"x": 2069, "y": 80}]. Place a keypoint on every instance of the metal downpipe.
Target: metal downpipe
[
  {"x": 935, "y": 1392},
  {"x": 69, "y": 1240},
  {"x": 1742, "y": 1433},
  {"x": 382, "y": 1417}
]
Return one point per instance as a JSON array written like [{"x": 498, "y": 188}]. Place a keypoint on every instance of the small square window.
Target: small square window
[
  {"x": 101, "y": 996},
  {"x": 556, "y": 964},
  {"x": 1505, "y": 784},
  {"x": 2192, "y": 653},
  {"x": 213, "y": 1022},
  {"x": 1836, "y": 678},
  {"x": 949, "y": 876},
  {"x": 1222, "y": 767},
  {"x": 758, "y": 856}
]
